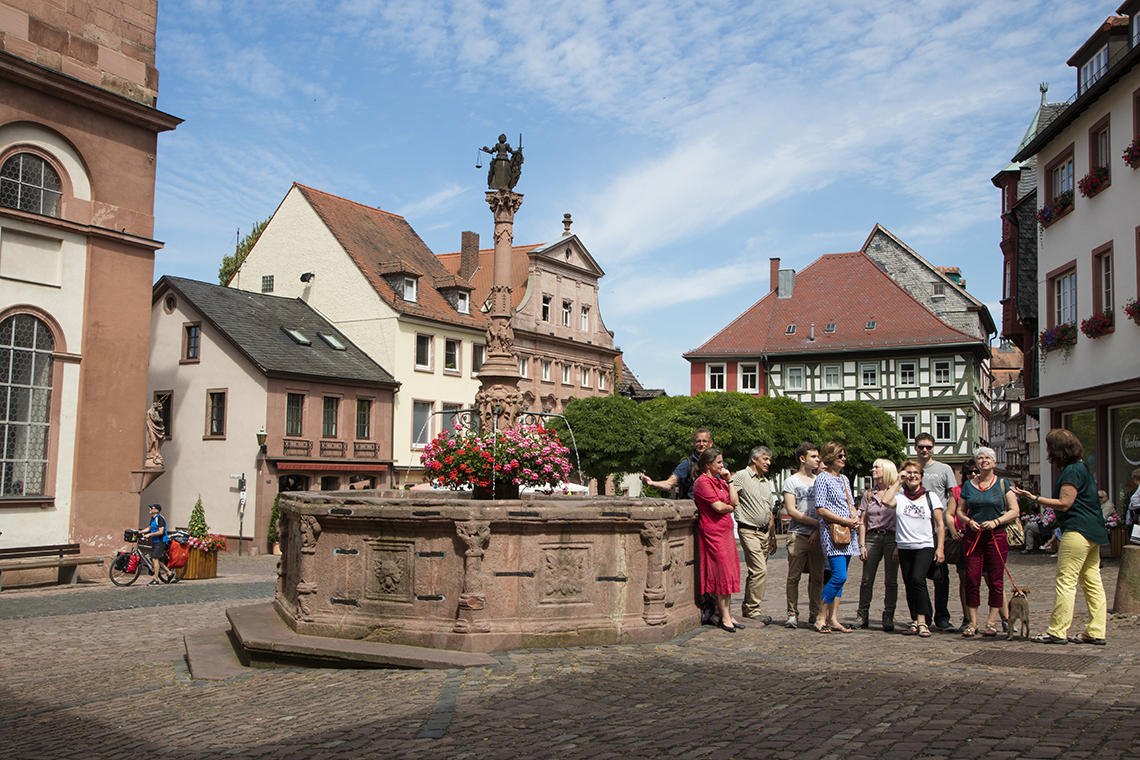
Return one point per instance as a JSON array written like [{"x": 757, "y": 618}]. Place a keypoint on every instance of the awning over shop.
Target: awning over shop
[{"x": 330, "y": 467}]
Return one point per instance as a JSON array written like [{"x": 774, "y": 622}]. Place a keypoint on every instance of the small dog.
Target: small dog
[{"x": 1019, "y": 611}]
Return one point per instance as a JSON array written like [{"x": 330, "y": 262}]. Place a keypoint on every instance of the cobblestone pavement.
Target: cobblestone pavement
[{"x": 105, "y": 684}]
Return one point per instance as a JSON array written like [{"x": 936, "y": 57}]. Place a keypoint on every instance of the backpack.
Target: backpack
[{"x": 177, "y": 555}]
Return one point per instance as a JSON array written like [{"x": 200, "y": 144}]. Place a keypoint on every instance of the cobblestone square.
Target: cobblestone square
[{"x": 99, "y": 672}]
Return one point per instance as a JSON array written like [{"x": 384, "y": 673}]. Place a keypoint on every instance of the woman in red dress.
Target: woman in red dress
[{"x": 720, "y": 564}]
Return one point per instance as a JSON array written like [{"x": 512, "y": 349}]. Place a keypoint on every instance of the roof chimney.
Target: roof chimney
[
  {"x": 774, "y": 274},
  {"x": 469, "y": 255},
  {"x": 566, "y": 222}
]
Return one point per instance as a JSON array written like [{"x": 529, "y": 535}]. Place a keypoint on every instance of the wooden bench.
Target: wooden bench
[{"x": 64, "y": 556}]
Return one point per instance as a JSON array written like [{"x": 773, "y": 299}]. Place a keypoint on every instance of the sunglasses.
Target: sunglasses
[{"x": 924, "y": 448}]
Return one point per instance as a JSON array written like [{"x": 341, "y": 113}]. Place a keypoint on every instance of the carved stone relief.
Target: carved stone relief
[
  {"x": 391, "y": 571},
  {"x": 563, "y": 574}
]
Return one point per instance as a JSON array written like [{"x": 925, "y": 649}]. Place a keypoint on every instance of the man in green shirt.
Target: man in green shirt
[{"x": 756, "y": 523}]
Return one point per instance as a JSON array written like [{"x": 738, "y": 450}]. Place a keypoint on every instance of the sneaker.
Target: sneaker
[
  {"x": 154, "y": 583},
  {"x": 946, "y": 627},
  {"x": 792, "y": 622},
  {"x": 861, "y": 622},
  {"x": 888, "y": 623},
  {"x": 765, "y": 620}
]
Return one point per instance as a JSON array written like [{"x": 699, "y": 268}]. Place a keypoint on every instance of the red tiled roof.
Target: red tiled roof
[
  {"x": 847, "y": 289},
  {"x": 482, "y": 280},
  {"x": 380, "y": 242}
]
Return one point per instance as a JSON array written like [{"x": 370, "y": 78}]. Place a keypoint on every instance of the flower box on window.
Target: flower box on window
[
  {"x": 1060, "y": 338},
  {"x": 1132, "y": 153},
  {"x": 1132, "y": 310},
  {"x": 1093, "y": 182},
  {"x": 1098, "y": 324},
  {"x": 1054, "y": 209}
]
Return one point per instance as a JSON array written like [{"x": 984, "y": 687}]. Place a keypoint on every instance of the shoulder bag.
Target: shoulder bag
[
  {"x": 841, "y": 534},
  {"x": 1014, "y": 531}
]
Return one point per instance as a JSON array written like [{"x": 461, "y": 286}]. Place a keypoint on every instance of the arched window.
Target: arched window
[
  {"x": 26, "y": 346},
  {"x": 29, "y": 183}
]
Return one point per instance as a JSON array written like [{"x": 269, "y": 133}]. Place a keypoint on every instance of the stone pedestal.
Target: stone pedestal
[
  {"x": 1127, "y": 599},
  {"x": 434, "y": 570},
  {"x": 141, "y": 479}
]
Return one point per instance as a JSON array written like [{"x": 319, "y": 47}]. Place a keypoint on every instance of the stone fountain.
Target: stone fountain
[{"x": 441, "y": 570}]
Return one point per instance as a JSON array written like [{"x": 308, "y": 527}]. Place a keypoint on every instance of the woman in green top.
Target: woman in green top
[{"x": 1082, "y": 534}]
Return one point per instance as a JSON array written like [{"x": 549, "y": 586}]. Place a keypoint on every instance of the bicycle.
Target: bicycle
[{"x": 123, "y": 574}]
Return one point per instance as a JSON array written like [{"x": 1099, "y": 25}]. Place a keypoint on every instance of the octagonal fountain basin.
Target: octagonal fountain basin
[{"x": 437, "y": 569}]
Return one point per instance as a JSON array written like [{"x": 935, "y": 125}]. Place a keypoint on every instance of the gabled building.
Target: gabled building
[
  {"x": 231, "y": 368},
  {"x": 78, "y": 138},
  {"x": 370, "y": 274},
  {"x": 564, "y": 348},
  {"x": 1088, "y": 257},
  {"x": 845, "y": 328}
]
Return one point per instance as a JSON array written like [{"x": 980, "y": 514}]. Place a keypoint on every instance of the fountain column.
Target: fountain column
[{"x": 498, "y": 396}]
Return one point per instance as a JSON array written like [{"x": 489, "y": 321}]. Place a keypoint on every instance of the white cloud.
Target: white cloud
[{"x": 434, "y": 202}]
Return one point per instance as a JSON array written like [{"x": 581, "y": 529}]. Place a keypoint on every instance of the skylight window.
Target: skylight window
[
  {"x": 830, "y": 327},
  {"x": 871, "y": 324},
  {"x": 333, "y": 341},
  {"x": 297, "y": 337},
  {"x": 791, "y": 330}
]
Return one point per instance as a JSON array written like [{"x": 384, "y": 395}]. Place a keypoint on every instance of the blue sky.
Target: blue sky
[{"x": 691, "y": 141}]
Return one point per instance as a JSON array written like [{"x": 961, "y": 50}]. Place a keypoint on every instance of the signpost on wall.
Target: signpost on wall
[{"x": 241, "y": 507}]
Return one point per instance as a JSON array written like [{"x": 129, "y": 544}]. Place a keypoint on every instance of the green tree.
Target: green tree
[
  {"x": 230, "y": 264},
  {"x": 792, "y": 423},
  {"x": 198, "y": 527},
  {"x": 867, "y": 431},
  {"x": 271, "y": 534},
  {"x": 737, "y": 422},
  {"x": 608, "y": 431}
]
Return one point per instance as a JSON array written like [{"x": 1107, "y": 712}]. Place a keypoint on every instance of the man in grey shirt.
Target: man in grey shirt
[
  {"x": 756, "y": 523},
  {"x": 939, "y": 479},
  {"x": 804, "y": 549}
]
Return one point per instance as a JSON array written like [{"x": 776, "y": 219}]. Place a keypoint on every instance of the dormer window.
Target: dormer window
[
  {"x": 463, "y": 302},
  {"x": 829, "y": 327},
  {"x": 871, "y": 324},
  {"x": 410, "y": 289},
  {"x": 1093, "y": 70},
  {"x": 791, "y": 330}
]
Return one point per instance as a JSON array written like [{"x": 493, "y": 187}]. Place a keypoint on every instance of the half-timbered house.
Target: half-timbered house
[{"x": 845, "y": 328}]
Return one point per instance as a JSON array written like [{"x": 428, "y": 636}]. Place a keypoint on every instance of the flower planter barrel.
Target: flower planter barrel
[
  {"x": 201, "y": 565},
  {"x": 1117, "y": 538}
]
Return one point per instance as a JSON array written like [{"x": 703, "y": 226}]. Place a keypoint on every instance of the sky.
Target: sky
[{"x": 690, "y": 141}]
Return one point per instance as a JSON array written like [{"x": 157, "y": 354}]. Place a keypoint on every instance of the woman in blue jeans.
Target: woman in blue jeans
[{"x": 835, "y": 505}]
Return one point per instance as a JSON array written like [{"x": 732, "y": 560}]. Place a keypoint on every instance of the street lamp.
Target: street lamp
[{"x": 261, "y": 439}]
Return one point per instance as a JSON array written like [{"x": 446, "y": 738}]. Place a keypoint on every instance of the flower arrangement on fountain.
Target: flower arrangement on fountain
[
  {"x": 1132, "y": 153},
  {"x": 1054, "y": 208},
  {"x": 1062, "y": 337},
  {"x": 1093, "y": 182},
  {"x": 526, "y": 456},
  {"x": 1098, "y": 324},
  {"x": 1132, "y": 310}
]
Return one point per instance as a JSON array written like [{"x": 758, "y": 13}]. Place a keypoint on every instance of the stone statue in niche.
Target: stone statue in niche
[
  {"x": 506, "y": 165},
  {"x": 155, "y": 435}
]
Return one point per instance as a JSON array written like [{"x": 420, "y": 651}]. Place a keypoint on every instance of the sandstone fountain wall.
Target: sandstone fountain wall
[{"x": 435, "y": 570}]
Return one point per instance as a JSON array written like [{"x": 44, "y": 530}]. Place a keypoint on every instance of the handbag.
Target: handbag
[
  {"x": 841, "y": 534},
  {"x": 1014, "y": 531}
]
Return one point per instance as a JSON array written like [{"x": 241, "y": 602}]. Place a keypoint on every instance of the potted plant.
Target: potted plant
[
  {"x": 204, "y": 546},
  {"x": 1093, "y": 182},
  {"x": 496, "y": 464},
  {"x": 1055, "y": 209},
  {"x": 1132, "y": 310},
  {"x": 1132, "y": 153},
  {"x": 271, "y": 534},
  {"x": 1060, "y": 338},
  {"x": 1098, "y": 324}
]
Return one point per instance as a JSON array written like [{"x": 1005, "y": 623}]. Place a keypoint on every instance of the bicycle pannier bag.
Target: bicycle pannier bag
[{"x": 177, "y": 555}]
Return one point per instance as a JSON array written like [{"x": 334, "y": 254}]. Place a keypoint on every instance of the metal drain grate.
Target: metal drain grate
[{"x": 1000, "y": 658}]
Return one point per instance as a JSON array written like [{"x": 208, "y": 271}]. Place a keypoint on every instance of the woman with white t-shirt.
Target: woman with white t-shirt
[{"x": 917, "y": 512}]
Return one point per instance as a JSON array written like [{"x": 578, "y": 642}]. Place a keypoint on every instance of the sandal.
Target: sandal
[
  {"x": 990, "y": 631},
  {"x": 911, "y": 630},
  {"x": 1048, "y": 638},
  {"x": 970, "y": 631},
  {"x": 841, "y": 628},
  {"x": 923, "y": 631},
  {"x": 823, "y": 629},
  {"x": 1084, "y": 638}
]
